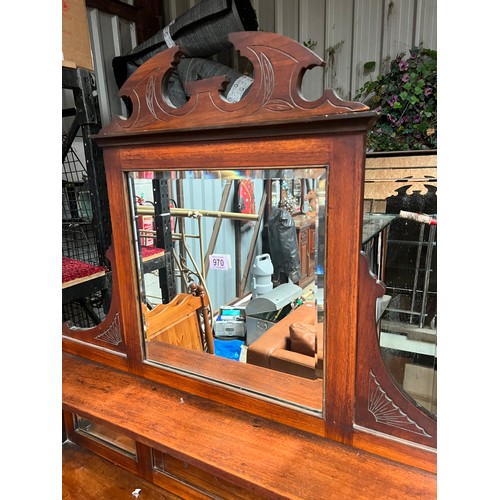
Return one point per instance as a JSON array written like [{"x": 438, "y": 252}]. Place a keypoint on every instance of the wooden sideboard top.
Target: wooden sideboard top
[{"x": 266, "y": 457}]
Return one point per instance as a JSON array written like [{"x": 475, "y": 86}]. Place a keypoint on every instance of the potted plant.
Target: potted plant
[{"x": 405, "y": 97}]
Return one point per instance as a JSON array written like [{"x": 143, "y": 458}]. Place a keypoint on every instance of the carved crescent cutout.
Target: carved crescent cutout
[{"x": 279, "y": 66}]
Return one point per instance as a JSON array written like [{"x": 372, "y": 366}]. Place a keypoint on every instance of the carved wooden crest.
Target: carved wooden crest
[{"x": 279, "y": 65}]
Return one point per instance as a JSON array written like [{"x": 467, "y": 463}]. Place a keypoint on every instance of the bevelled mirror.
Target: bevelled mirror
[{"x": 230, "y": 275}]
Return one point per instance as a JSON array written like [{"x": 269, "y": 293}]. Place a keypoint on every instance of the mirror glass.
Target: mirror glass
[
  {"x": 408, "y": 326},
  {"x": 230, "y": 277}
]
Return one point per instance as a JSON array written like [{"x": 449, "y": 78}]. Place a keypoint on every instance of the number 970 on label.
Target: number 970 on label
[{"x": 220, "y": 261}]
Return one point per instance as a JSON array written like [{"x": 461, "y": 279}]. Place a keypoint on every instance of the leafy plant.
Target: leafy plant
[
  {"x": 311, "y": 44},
  {"x": 406, "y": 98}
]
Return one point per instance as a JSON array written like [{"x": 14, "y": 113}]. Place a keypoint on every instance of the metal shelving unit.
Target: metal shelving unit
[
  {"x": 417, "y": 287},
  {"x": 86, "y": 224}
]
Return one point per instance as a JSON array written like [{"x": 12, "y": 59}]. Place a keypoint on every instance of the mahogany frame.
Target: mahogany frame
[{"x": 281, "y": 129}]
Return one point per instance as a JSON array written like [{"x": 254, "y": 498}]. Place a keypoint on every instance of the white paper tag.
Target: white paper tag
[{"x": 220, "y": 261}]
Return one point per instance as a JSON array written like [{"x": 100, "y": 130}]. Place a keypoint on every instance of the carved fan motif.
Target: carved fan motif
[
  {"x": 113, "y": 334},
  {"x": 385, "y": 411}
]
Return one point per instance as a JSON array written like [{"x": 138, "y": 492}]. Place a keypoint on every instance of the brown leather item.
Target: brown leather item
[
  {"x": 272, "y": 349},
  {"x": 303, "y": 338}
]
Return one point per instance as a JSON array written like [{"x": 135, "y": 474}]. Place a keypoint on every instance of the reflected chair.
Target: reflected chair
[{"x": 183, "y": 322}]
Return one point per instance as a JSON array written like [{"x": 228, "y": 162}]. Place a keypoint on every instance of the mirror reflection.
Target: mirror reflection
[
  {"x": 408, "y": 327},
  {"x": 231, "y": 276}
]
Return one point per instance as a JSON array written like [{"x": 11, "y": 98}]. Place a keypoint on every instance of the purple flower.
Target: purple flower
[
  {"x": 392, "y": 100},
  {"x": 417, "y": 119},
  {"x": 403, "y": 65},
  {"x": 406, "y": 78},
  {"x": 427, "y": 91}
]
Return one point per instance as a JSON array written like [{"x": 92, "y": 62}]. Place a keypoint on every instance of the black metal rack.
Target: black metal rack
[
  {"x": 86, "y": 224},
  {"x": 411, "y": 262},
  {"x": 164, "y": 262}
]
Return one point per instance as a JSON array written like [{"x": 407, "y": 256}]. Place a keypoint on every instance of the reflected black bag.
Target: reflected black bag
[{"x": 283, "y": 244}]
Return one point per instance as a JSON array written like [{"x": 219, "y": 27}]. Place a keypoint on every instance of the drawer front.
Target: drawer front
[{"x": 212, "y": 486}]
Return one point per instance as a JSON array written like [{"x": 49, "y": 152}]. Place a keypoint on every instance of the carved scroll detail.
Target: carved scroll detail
[
  {"x": 386, "y": 412},
  {"x": 150, "y": 95},
  {"x": 279, "y": 64},
  {"x": 112, "y": 335},
  {"x": 267, "y": 76}
]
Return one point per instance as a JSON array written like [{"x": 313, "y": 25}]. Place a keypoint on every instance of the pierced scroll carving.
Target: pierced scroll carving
[
  {"x": 279, "y": 65},
  {"x": 385, "y": 411}
]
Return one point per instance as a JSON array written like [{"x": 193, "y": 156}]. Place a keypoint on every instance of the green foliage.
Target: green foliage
[
  {"x": 369, "y": 66},
  {"x": 311, "y": 44},
  {"x": 406, "y": 98}
]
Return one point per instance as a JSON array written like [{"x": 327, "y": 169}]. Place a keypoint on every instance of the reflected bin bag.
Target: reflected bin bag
[{"x": 283, "y": 244}]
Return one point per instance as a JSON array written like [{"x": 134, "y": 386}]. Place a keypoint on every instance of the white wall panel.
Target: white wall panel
[
  {"x": 426, "y": 23},
  {"x": 367, "y": 40},
  {"x": 359, "y": 31},
  {"x": 110, "y": 36},
  {"x": 287, "y": 18},
  {"x": 105, "y": 86},
  {"x": 265, "y": 10},
  {"x": 398, "y": 34},
  {"x": 339, "y": 20},
  {"x": 312, "y": 27}
]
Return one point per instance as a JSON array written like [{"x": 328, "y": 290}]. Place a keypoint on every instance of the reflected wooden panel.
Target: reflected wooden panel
[
  {"x": 182, "y": 322},
  {"x": 273, "y": 385}
]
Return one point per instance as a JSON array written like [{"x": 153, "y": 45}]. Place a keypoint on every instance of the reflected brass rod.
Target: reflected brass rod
[
  {"x": 187, "y": 212},
  {"x": 179, "y": 236},
  {"x": 200, "y": 232},
  {"x": 175, "y": 236}
]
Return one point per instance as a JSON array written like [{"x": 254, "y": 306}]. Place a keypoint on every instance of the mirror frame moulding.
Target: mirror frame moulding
[{"x": 279, "y": 126}]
